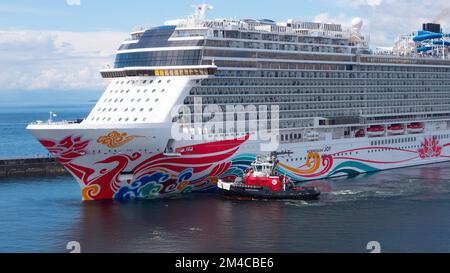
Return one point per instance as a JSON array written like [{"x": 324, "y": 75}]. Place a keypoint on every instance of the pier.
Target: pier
[{"x": 23, "y": 167}]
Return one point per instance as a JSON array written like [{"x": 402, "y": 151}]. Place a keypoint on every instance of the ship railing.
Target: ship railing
[{"x": 62, "y": 122}]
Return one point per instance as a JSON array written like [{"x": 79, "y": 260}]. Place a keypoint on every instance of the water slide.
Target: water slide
[{"x": 426, "y": 36}]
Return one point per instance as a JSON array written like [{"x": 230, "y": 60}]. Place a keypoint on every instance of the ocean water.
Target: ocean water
[
  {"x": 16, "y": 141},
  {"x": 405, "y": 210}
]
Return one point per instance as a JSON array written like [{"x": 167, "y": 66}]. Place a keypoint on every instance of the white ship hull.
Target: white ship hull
[{"x": 134, "y": 164}]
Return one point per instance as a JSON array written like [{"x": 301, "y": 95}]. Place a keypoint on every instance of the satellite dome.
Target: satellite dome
[{"x": 357, "y": 23}]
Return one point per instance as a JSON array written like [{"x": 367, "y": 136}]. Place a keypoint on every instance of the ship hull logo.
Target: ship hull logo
[{"x": 115, "y": 139}]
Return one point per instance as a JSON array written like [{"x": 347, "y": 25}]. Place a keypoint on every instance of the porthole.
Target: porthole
[
  {"x": 127, "y": 119},
  {"x": 132, "y": 110},
  {"x": 154, "y": 90},
  {"x": 168, "y": 81},
  {"x": 126, "y": 109},
  {"x": 142, "y": 109},
  {"x": 132, "y": 100},
  {"x": 135, "y": 119},
  {"x": 139, "y": 90},
  {"x": 159, "y": 81},
  {"x": 151, "y": 109},
  {"x": 156, "y": 100},
  {"x": 162, "y": 91},
  {"x": 147, "y": 100},
  {"x": 121, "y": 100}
]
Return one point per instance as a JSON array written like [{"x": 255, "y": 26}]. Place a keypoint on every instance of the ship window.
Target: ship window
[
  {"x": 135, "y": 119},
  {"x": 156, "y": 100},
  {"x": 162, "y": 91},
  {"x": 126, "y": 119},
  {"x": 150, "y": 109},
  {"x": 142, "y": 109}
]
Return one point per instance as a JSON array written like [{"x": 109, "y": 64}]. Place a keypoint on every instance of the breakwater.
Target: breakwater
[{"x": 23, "y": 167}]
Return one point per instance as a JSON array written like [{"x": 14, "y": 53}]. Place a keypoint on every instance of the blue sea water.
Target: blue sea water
[
  {"x": 15, "y": 140},
  {"x": 405, "y": 210}
]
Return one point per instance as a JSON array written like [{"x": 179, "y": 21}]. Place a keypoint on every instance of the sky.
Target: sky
[{"x": 59, "y": 45}]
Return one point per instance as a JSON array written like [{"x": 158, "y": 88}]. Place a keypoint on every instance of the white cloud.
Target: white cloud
[
  {"x": 55, "y": 60},
  {"x": 384, "y": 20},
  {"x": 73, "y": 2}
]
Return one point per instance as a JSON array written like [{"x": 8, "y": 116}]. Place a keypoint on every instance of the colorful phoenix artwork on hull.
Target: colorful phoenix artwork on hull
[{"x": 199, "y": 167}]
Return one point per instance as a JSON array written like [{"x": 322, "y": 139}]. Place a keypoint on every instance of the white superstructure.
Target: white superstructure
[{"x": 343, "y": 109}]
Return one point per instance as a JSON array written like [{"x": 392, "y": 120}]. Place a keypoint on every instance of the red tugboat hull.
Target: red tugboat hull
[{"x": 242, "y": 191}]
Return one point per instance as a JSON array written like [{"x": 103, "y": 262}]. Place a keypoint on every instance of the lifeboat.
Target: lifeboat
[
  {"x": 415, "y": 128},
  {"x": 376, "y": 130},
  {"x": 261, "y": 182},
  {"x": 360, "y": 133},
  {"x": 396, "y": 129}
]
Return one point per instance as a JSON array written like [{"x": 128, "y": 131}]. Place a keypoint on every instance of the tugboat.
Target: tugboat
[{"x": 262, "y": 182}]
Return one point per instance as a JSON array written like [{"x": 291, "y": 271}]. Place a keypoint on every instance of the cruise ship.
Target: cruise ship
[{"x": 314, "y": 94}]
